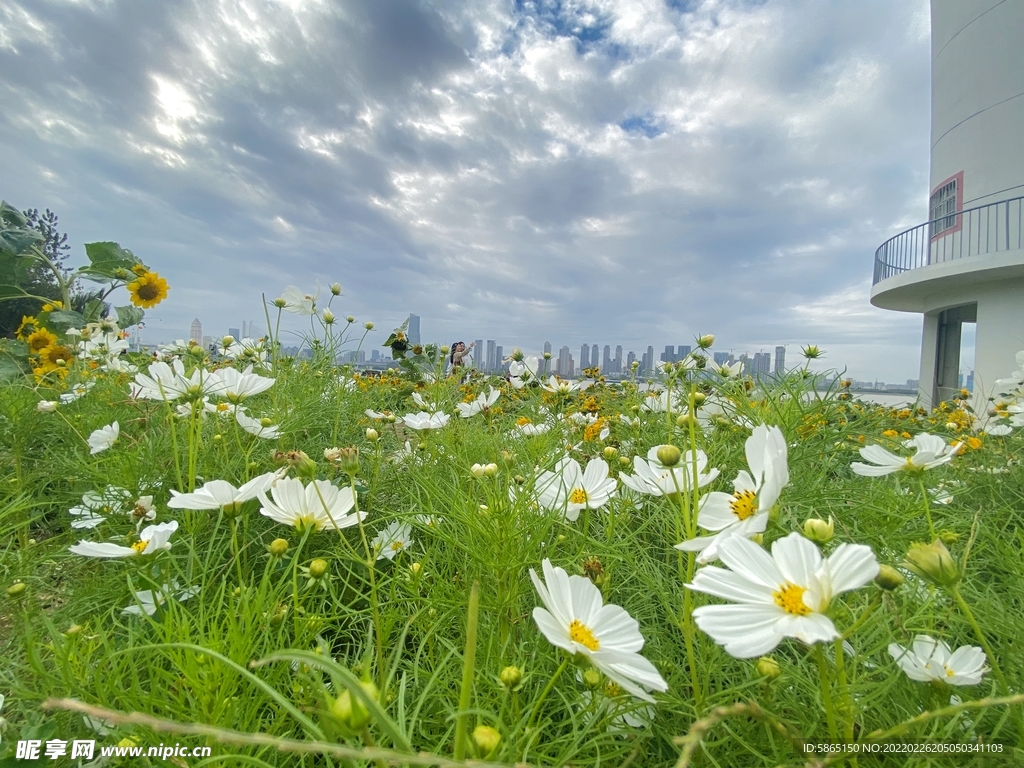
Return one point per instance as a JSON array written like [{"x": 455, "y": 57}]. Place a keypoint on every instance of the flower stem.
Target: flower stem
[
  {"x": 468, "y": 666},
  {"x": 927, "y": 508},
  {"x": 546, "y": 691},
  {"x": 826, "y": 693},
  {"x": 374, "y": 607}
]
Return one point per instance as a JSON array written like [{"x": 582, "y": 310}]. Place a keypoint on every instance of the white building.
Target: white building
[
  {"x": 196, "y": 332},
  {"x": 966, "y": 264}
]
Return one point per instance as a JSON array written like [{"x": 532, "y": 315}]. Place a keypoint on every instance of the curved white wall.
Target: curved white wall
[{"x": 978, "y": 97}]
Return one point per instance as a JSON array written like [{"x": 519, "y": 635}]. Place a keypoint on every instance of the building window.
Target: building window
[{"x": 944, "y": 204}]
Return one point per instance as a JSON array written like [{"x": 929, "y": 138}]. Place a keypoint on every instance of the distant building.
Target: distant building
[
  {"x": 669, "y": 355},
  {"x": 546, "y": 364},
  {"x": 235, "y": 334},
  {"x": 780, "y": 360},
  {"x": 585, "y": 356},
  {"x": 374, "y": 356},
  {"x": 617, "y": 365},
  {"x": 564, "y": 362},
  {"x": 970, "y": 382},
  {"x": 761, "y": 365},
  {"x": 196, "y": 332},
  {"x": 606, "y": 363},
  {"x": 414, "y": 329},
  {"x": 491, "y": 347},
  {"x": 479, "y": 354},
  {"x": 630, "y": 359},
  {"x": 721, "y": 358},
  {"x": 683, "y": 351},
  {"x": 649, "y": 367},
  {"x": 207, "y": 342},
  {"x": 499, "y": 353}
]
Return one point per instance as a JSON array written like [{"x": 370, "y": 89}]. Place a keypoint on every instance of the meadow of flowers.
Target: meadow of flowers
[{"x": 297, "y": 564}]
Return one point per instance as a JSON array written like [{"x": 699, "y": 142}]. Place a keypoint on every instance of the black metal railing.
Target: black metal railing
[{"x": 975, "y": 232}]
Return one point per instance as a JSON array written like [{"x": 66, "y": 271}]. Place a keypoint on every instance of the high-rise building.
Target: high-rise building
[
  {"x": 235, "y": 334},
  {"x": 196, "y": 332},
  {"x": 489, "y": 362},
  {"x": 630, "y": 359},
  {"x": 207, "y": 342},
  {"x": 374, "y": 355},
  {"x": 585, "y": 356},
  {"x": 479, "y": 354},
  {"x": 780, "y": 360},
  {"x": 761, "y": 365},
  {"x": 546, "y": 364},
  {"x": 606, "y": 362},
  {"x": 669, "y": 355},
  {"x": 720, "y": 358},
  {"x": 684, "y": 350},
  {"x": 414, "y": 329},
  {"x": 649, "y": 367},
  {"x": 564, "y": 362},
  {"x": 595, "y": 357},
  {"x": 618, "y": 359},
  {"x": 499, "y": 353}
]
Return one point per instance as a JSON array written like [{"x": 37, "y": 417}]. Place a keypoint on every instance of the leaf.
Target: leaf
[
  {"x": 12, "y": 367},
  {"x": 107, "y": 259},
  {"x": 129, "y": 315},
  {"x": 15, "y": 234},
  {"x": 66, "y": 318}
]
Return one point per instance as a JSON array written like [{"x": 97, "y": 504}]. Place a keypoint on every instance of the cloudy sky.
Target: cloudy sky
[{"x": 615, "y": 171}]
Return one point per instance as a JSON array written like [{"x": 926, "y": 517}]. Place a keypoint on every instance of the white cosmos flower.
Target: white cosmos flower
[
  {"x": 162, "y": 381},
  {"x": 404, "y": 453},
  {"x": 424, "y": 420},
  {"x": 727, "y": 371},
  {"x": 575, "y": 619},
  {"x": 999, "y": 430},
  {"x": 153, "y": 538},
  {"x": 148, "y": 600},
  {"x": 563, "y": 387},
  {"x": 96, "y": 505},
  {"x": 379, "y": 415},
  {"x": 298, "y": 302},
  {"x": 784, "y": 594},
  {"x": 256, "y": 426},
  {"x": 76, "y": 391},
  {"x": 629, "y": 422},
  {"x": 526, "y": 428},
  {"x": 482, "y": 403},
  {"x": 104, "y": 346},
  {"x": 653, "y": 478},
  {"x": 660, "y": 403},
  {"x": 929, "y": 659},
  {"x": 253, "y": 350},
  {"x": 46, "y": 406},
  {"x": 745, "y": 511},
  {"x": 932, "y": 451},
  {"x": 104, "y": 437},
  {"x": 395, "y": 538},
  {"x": 568, "y": 489},
  {"x": 318, "y": 505},
  {"x": 220, "y": 494},
  {"x": 235, "y": 386}
]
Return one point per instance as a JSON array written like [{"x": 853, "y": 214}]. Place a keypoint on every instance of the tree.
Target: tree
[{"x": 39, "y": 279}]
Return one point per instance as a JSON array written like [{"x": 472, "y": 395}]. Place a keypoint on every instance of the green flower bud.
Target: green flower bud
[
  {"x": 347, "y": 459},
  {"x": 812, "y": 352},
  {"x": 592, "y": 679},
  {"x": 278, "y": 547},
  {"x": 328, "y": 316},
  {"x": 624, "y": 461},
  {"x": 684, "y": 420},
  {"x": 818, "y": 530},
  {"x": 949, "y": 537},
  {"x": 705, "y": 341},
  {"x": 372, "y": 435},
  {"x": 768, "y": 667},
  {"x": 699, "y": 398},
  {"x": 17, "y": 589},
  {"x": 933, "y": 563},
  {"x": 350, "y": 319},
  {"x": 889, "y": 578},
  {"x": 318, "y": 568},
  {"x": 669, "y": 455},
  {"x": 73, "y": 630},
  {"x": 280, "y": 303},
  {"x": 368, "y": 326},
  {"x": 610, "y": 452},
  {"x": 336, "y": 289},
  {"x": 486, "y": 739},
  {"x": 511, "y": 676}
]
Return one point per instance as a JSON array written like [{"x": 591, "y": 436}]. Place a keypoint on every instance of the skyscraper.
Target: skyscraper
[
  {"x": 595, "y": 358},
  {"x": 618, "y": 358},
  {"x": 546, "y": 364},
  {"x": 585, "y": 356},
  {"x": 235, "y": 334},
  {"x": 606, "y": 362},
  {"x": 630, "y": 358},
  {"x": 479, "y": 354},
  {"x": 490, "y": 366},
  {"x": 564, "y": 361},
  {"x": 720, "y": 358},
  {"x": 196, "y": 332},
  {"x": 669, "y": 355},
  {"x": 649, "y": 368},
  {"x": 761, "y": 364},
  {"x": 780, "y": 360},
  {"x": 684, "y": 350},
  {"x": 498, "y": 354},
  {"x": 414, "y": 329}
]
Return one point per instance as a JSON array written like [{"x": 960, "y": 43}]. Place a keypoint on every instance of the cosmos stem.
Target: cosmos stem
[
  {"x": 546, "y": 691},
  {"x": 927, "y": 507},
  {"x": 826, "y": 692}
]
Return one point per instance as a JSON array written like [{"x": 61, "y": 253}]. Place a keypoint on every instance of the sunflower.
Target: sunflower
[
  {"x": 51, "y": 306},
  {"x": 147, "y": 290},
  {"x": 28, "y": 325},
  {"x": 39, "y": 340},
  {"x": 52, "y": 355}
]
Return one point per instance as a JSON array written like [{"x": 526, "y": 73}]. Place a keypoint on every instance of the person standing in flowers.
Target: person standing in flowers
[{"x": 457, "y": 357}]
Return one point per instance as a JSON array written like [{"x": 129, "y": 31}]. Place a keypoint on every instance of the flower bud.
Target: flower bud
[
  {"x": 73, "y": 630},
  {"x": 328, "y": 316},
  {"x": 415, "y": 569},
  {"x": 818, "y": 530},
  {"x": 336, "y": 289},
  {"x": 768, "y": 667},
  {"x": 350, "y": 710},
  {"x": 511, "y": 677},
  {"x": 486, "y": 739},
  {"x": 227, "y": 341},
  {"x": 218, "y": 438},
  {"x": 477, "y": 470},
  {"x": 368, "y": 326},
  {"x": 669, "y": 455},
  {"x": 812, "y": 352},
  {"x": 684, "y": 420},
  {"x": 547, "y": 355},
  {"x": 46, "y": 406},
  {"x": 278, "y": 547},
  {"x": 345, "y": 459},
  {"x": 507, "y": 457},
  {"x": 318, "y": 568},
  {"x": 624, "y": 461},
  {"x": 266, "y": 422},
  {"x": 949, "y": 537},
  {"x": 610, "y": 452},
  {"x": 445, "y": 349},
  {"x": 17, "y": 589},
  {"x": 490, "y": 470},
  {"x": 280, "y": 303},
  {"x": 350, "y": 319},
  {"x": 592, "y": 678},
  {"x": 889, "y": 578},
  {"x": 699, "y": 398},
  {"x": 933, "y": 563},
  {"x": 372, "y": 435},
  {"x": 705, "y": 341}
]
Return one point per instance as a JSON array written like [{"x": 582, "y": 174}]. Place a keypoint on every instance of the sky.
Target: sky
[{"x": 625, "y": 172}]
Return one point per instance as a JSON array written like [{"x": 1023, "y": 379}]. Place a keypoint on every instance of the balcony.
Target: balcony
[{"x": 946, "y": 254}]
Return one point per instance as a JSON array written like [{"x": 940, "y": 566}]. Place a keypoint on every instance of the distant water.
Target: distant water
[{"x": 881, "y": 398}]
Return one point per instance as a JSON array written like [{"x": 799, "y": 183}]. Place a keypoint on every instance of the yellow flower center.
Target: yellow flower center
[
  {"x": 396, "y": 546},
  {"x": 578, "y": 496},
  {"x": 743, "y": 504},
  {"x": 522, "y": 421},
  {"x": 949, "y": 672},
  {"x": 580, "y": 633},
  {"x": 791, "y": 599},
  {"x": 139, "y": 546}
]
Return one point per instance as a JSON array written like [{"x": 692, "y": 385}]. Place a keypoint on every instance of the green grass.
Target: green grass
[{"x": 65, "y": 637}]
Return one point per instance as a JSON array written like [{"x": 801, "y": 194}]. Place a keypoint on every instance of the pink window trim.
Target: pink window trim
[{"x": 959, "y": 178}]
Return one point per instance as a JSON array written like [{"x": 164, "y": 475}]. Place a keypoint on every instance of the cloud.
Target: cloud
[{"x": 623, "y": 171}]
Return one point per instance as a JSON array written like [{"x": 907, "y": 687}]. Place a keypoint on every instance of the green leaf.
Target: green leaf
[
  {"x": 15, "y": 234},
  {"x": 93, "y": 310},
  {"x": 129, "y": 315},
  {"x": 107, "y": 259},
  {"x": 66, "y": 318},
  {"x": 12, "y": 367}
]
